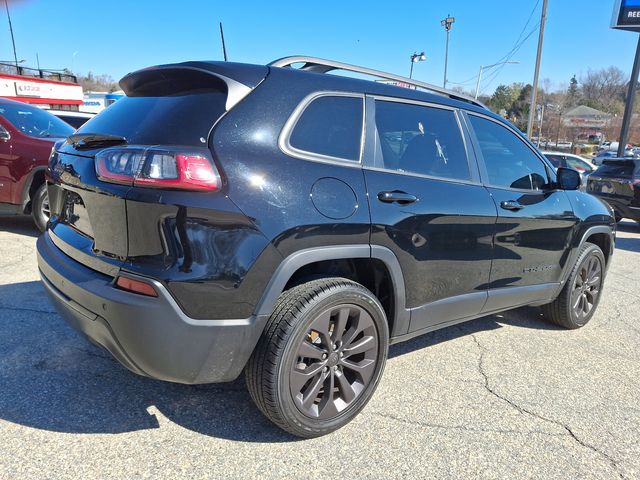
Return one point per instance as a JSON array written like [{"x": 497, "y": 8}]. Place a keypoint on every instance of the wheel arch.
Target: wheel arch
[
  {"x": 293, "y": 268},
  {"x": 33, "y": 181},
  {"x": 601, "y": 235}
]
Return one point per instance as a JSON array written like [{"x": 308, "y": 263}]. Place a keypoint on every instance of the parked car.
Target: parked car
[
  {"x": 617, "y": 181},
  {"x": 564, "y": 144},
  {"x": 27, "y": 135},
  {"x": 606, "y": 154},
  {"x": 75, "y": 119},
  {"x": 567, "y": 160},
  {"x": 283, "y": 229}
]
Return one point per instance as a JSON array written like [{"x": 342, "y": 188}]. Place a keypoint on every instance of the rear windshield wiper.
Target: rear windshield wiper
[{"x": 85, "y": 141}]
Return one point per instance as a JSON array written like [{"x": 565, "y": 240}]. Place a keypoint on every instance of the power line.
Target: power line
[
  {"x": 516, "y": 46},
  {"x": 508, "y": 57}
]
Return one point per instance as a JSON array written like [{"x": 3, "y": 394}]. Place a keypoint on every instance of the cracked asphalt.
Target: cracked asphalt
[{"x": 504, "y": 396}]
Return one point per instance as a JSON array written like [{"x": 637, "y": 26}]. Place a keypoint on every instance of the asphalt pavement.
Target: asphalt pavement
[{"x": 504, "y": 396}]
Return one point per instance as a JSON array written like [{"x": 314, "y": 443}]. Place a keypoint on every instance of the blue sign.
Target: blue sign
[{"x": 628, "y": 14}]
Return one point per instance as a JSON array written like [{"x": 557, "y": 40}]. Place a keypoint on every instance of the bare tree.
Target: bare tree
[
  {"x": 604, "y": 89},
  {"x": 100, "y": 83}
]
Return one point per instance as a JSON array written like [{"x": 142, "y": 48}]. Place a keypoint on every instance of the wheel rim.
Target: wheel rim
[
  {"x": 586, "y": 287},
  {"x": 45, "y": 209},
  {"x": 335, "y": 362}
]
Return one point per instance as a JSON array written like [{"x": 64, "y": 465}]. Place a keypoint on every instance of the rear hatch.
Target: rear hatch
[
  {"x": 617, "y": 181},
  {"x": 165, "y": 119}
]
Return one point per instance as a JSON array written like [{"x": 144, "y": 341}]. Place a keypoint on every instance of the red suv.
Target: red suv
[{"x": 27, "y": 135}]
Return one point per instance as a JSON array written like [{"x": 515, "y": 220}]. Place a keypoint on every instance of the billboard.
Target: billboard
[{"x": 626, "y": 15}]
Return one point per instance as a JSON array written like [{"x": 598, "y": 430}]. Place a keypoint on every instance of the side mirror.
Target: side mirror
[{"x": 568, "y": 179}]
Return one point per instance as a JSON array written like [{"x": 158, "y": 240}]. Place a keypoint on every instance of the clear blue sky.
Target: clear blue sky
[{"x": 115, "y": 37}]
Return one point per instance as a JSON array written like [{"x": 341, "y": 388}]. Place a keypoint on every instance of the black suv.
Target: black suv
[
  {"x": 292, "y": 224},
  {"x": 617, "y": 181}
]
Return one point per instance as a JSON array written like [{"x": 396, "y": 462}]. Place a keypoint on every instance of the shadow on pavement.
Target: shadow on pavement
[
  {"x": 20, "y": 224},
  {"x": 53, "y": 379}
]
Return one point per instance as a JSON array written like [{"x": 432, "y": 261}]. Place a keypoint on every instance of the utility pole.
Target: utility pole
[
  {"x": 534, "y": 91},
  {"x": 447, "y": 23},
  {"x": 628, "y": 109},
  {"x": 13, "y": 40},
  {"x": 541, "y": 119},
  {"x": 224, "y": 47}
]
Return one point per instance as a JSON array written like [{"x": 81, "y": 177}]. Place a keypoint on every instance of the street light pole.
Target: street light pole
[
  {"x": 447, "y": 23},
  {"x": 487, "y": 68},
  {"x": 534, "y": 91},
  {"x": 416, "y": 57}
]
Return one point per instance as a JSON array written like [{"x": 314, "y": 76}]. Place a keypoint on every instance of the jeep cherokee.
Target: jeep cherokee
[{"x": 292, "y": 224}]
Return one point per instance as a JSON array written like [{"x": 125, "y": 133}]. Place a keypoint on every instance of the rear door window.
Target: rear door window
[
  {"x": 420, "y": 139},
  {"x": 510, "y": 163},
  {"x": 330, "y": 126}
]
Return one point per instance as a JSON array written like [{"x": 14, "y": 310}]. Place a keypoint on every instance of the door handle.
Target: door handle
[
  {"x": 511, "y": 205},
  {"x": 397, "y": 197}
]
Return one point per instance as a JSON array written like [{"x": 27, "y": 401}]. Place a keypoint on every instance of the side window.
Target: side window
[
  {"x": 418, "y": 139},
  {"x": 556, "y": 160},
  {"x": 510, "y": 162},
  {"x": 330, "y": 126},
  {"x": 578, "y": 165}
]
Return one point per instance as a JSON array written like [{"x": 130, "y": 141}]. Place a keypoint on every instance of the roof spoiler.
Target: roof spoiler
[{"x": 237, "y": 79}]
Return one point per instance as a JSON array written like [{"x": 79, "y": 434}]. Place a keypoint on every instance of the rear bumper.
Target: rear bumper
[
  {"x": 148, "y": 335},
  {"x": 624, "y": 206}
]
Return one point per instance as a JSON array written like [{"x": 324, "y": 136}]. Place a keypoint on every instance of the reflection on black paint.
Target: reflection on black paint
[{"x": 187, "y": 258}]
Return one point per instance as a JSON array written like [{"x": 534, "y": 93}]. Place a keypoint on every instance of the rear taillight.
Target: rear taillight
[{"x": 177, "y": 168}]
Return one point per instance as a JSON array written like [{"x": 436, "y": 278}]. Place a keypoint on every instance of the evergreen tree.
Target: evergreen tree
[{"x": 572, "y": 92}]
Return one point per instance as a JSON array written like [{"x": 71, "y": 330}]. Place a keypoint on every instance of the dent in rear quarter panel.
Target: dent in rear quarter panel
[
  {"x": 202, "y": 247},
  {"x": 273, "y": 189}
]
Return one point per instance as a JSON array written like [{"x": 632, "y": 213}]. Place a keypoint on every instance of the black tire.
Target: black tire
[
  {"x": 40, "y": 207},
  {"x": 276, "y": 373},
  {"x": 580, "y": 296}
]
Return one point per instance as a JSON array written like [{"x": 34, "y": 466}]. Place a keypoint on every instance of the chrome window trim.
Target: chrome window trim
[
  {"x": 461, "y": 130},
  {"x": 421, "y": 175},
  {"x": 545, "y": 162},
  {"x": 284, "y": 140}
]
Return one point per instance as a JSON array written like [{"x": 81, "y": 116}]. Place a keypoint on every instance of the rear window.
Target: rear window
[
  {"x": 164, "y": 120},
  {"x": 34, "y": 122},
  {"x": 619, "y": 168}
]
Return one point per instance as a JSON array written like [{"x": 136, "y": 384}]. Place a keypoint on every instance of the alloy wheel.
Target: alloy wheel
[
  {"x": 335, "y": 361},
  {"x": 586, "y": 287},
  {"x": 45, "y": 209}
]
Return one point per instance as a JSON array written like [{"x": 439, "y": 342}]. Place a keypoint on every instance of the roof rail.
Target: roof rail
[{"x": 320, "y": 65}]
